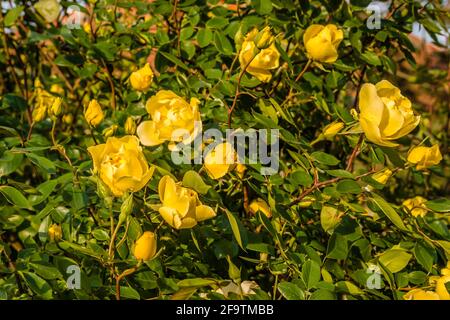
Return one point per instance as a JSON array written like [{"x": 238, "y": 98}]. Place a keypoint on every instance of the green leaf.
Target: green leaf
[
  {"x": 395, "y": 260},
  {"x": 204, "y": 37},
  {"x": 37, "y": 284},
  {"x": 12, "y": 15},
  {"x": 235, "y": 228},
  {"x": 325, "y": 158},
  {"x": 389, "y": 212},
  {"x": 291, "y": 291},
  {"x": 425, "y": 255},
  {"x": 129, "y": 293},
  {"x": 196, "y": 282},
  {"x": 193, "y": 180},
  {"x": 46, "y": 271},
  {"x": 337, "y": 247},
  {"x": 348, "y": 186},
  {"x": 311, "y": 273},
  {"x": 301, "y": 177},
  {"x": 439, "y": 205},
  {"x": 262, "y": 7},
  {"x": 340, "y": 173},
  {"x": 222, "y": 43},
  {"x": 15, "y": 197},
  {"x": 329, "y": 218},
  {"x": 10, "y": 162},
  {"x": 42, "y": 162},
  {"x": 174, "y": 59}
]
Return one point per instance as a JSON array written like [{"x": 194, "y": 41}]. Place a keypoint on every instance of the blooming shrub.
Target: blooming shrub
[{"x": 122, "y": 175}]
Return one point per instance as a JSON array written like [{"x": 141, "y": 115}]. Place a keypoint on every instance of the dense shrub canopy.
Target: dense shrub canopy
[{"x": 98, "y": 98}]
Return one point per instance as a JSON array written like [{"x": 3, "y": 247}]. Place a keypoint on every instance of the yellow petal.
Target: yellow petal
[
  {"x": 204, "y": 212},
  {"x": 148, "y": 134}
]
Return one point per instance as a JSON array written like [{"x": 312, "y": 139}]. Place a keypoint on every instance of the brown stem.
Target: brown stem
[
  {"x": 300, "y": 75},
  {"x": 354, "y": 153}
]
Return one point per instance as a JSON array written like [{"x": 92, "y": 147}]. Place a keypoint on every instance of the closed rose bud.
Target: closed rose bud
[
  {"x": 306, "y": 202},
  {"x": 386, "y": 115},
  {"x": 264, "y": 38},
  {"x": 130, "y": 126},
  {"x": 55, "y": 232},
  {"x": 94, "y": 114},
  {"x": 260, "y": 205},
  {"x": 240, "y": 170},
  {"x": 110, "y": 131},
  {"x": 141, "y": 79},
  {"x": 424, "y": 157},
  {"x": 55, "y": 109},
  {"x": 416, "y": 206},
  {"x": 68, "y": 118},
  {"x": 322, "y": 42},
  {"x": 382, "y": 176},
  {"x": 145, "y": 247},
  {"x": 332, "y": 129},
  {"x": 259, "y": 63}
]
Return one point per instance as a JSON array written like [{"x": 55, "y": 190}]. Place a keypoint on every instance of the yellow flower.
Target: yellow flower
[
  {"x": 39, "y": 113},
  {"x": 260, "y": 62},
  {"x": 68, "y": 118},
  {"x": 332, "y": 129},
  {"x": 425, "y": 157},
  {"x": 382, "y": 176},
  {"x": 55, "y": 232},
  {"x": 220, "y": 160},
  {"x": 49, "y": 9},
  {"x": 121, "y": 164},
  {"x": 145, "y": 246},
  {"x": 386, "y": 115},
  {"x": 181, "y": 207},
  {"x": 441, "y": 289},
  {"x": 55, "y": 108},
  {"x": 130, "y": 126},
  {"x": 446, "y": 271},
  {"x": 173, "y": 119},
  {"x": 141, "y": 79},
  {"x": 416, "y": 206},
  {"x": 240, "y": 170},
  {"x": 260, "y": 205},
  {"x": 94, "y": 114},
  {"x": 420, "y": 294},
  {"x": 322, "y": 42}
]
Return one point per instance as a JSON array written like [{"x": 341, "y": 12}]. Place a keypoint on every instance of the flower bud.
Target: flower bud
[
  {"x": 55, "y": 109},
  {"x": 264, "y": 38},
  {"x": 94, "y": 114},
  {"x": 382, "y": 176},
  {"x": 145, "y": 247},
  {"x": 68, "y": 118},
  {"x": 332, "y": 129},
  {"x": 110, "y": 131},
  {"x": 55, "y": 232},
  {"x": 240, "y": 170},
  {"x": 39, "y": 113},
  {"x": 260, "y": 205},
  {"x": 130, "y": 126}
]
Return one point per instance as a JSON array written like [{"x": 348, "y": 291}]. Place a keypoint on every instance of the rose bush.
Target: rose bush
[{"x": 99, "y": 105}]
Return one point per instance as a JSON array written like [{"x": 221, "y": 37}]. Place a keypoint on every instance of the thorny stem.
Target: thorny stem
[{"x": 123, "y": 275}]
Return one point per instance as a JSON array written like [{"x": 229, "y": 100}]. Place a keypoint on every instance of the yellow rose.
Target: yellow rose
[
  {"x": 416, "y": 206},
  {"x": 332, "y": 129},
  {"x": 262, "y": 61},
  {"x": 55, "y": 232},
  {"x": 220, "y": 160},
  {"x": 121, "y": 164},
  {"x": 171, "y": 115},
  {"x": 260, "y": 205},
  {"x": 141, "y": 79},
  {"x": 322, "y": 42},
  {"x": 49, "y": 9},
  {"x": 382, "y": 176},
  {"x": 419, "y": 294},
  {"x": 385, "y": 115},
  {"x": 145, "y": 246},
  {"x": 441, "y": 289},
  {"x": 94, "y": 114},
  {"x": 446, "y": 271},
  {"x": 264, "y": 38},
  {"x": 181, "y": 207},
  {"x": 425, "y": 157}
]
